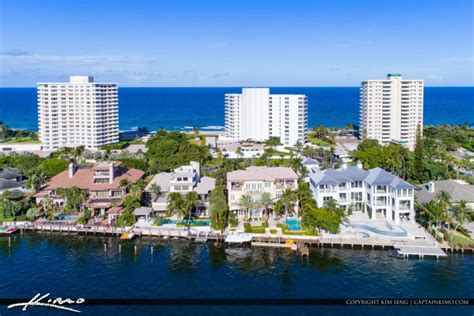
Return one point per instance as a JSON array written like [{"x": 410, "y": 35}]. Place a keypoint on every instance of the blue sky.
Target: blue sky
[{"x": 236, "y": 43}]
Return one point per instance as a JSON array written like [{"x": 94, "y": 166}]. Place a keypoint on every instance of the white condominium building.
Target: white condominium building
[
  {"x": 77, "y": 113},
  {"x": 391, "y": 110},
  {"x": 258, "y": 115}
]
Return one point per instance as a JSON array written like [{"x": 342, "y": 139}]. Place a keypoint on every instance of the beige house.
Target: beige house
[
  {"x": 253, "y": 181},
  {"x": 100, "y": 182}
]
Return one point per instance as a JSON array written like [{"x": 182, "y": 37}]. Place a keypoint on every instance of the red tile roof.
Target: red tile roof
[{"x": 84, "y": 176}]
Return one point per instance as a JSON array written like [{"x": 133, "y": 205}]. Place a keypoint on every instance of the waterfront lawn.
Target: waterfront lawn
[
  {"x": 459, "y": 239},
  {"x": 318, "y": 141},
  {"x": 255, "y": 229},
  {"x": 304, "y": 232}
]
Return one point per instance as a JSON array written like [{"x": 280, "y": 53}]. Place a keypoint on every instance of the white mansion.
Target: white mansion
[
  {"x": 253, "y": 181},
  {"x": 183, "y": 179},
  {"x": 377, "y": 192}
]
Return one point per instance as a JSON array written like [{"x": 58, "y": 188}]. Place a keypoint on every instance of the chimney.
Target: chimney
[
  {"x": 72, "y": 170},
  {"x": 359, "y": 165},
  {"x": 431, "y": 187},
  {"x": 344, "y": 166},
  {"x": 111, "y": 172}
]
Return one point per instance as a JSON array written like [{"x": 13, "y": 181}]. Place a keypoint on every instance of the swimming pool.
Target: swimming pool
[
  {"x": 68, "y": 217},
  {"x": 201, "y": 222},
  {"x": 293, "y": 223}
]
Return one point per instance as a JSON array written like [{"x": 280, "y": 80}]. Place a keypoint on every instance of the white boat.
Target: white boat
[{"x": 238, "y": 238}]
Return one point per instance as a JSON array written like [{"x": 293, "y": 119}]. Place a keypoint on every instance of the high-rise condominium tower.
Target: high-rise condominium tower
[
  {"x": 77, "y": 113},
  {"x": 258, "y": 115},
  {"x": 391, "y": 110}
]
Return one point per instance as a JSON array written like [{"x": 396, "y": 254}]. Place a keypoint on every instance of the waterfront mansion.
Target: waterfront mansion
[
  {"x": 253, "y": 181},
  {"x": 376, "y": 192},
  {"x": 101, "y": 182},
  {"x": 183, "y": 180}
]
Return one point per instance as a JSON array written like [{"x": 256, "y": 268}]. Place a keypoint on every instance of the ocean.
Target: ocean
[
  {"x": 77, "y": 266},
  {"x": 183, "y": 108}
]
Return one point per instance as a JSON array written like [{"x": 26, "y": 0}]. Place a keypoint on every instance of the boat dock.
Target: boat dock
[
  {"x": 404, "y": 248},
  {"x": 403, "y": 251}
]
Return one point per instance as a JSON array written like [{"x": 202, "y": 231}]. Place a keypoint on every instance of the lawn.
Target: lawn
[
  {"x": 459, "y": 239},
  {"x": 305, "y": 232},
  {"x": 23, "y": 140},
  {"x": 318, "y": 141},
  {"x": 255, "y": 229}
]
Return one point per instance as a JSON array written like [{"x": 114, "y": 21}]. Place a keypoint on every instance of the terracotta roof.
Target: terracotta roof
[{"x": 84, "y": 176}]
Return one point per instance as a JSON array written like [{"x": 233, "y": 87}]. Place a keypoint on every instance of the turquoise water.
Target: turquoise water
[
  {"x": 68, "y": 217},
  {"x": 204, "y": 222},
  {"x": 178, "y": 108},
  {"x": 77, "y": 266},
  {"x": 293, "y": 223}
]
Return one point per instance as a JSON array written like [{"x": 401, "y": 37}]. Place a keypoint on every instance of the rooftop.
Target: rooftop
[
  {"x": 457, "y": 189},
  {"x": 375, "y": 176},
  {"x": 262, "y": 174},
  {"x": 83, "y": 178},
  {"x": 10, "y": 173}
]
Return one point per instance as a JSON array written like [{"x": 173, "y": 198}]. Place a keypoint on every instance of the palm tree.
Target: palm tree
[
  {"x": 175, "y": 205},
  {"x": 125, "y": 183},
  {"x": 190, "y": 200},
  {"x": 443, "y": 199},
  {"x": 288, "y": 199},
  {"x": 273, "y": 142},
  {"x": 238, "y": 151},
  {"x": 298, "y": 146},
  {"x": 462, "y": 213},
  {"x": 333, "y": 206},
  {"x": 297, "y": 165},
  {"x": 154, "y": 190},
  {"x": 37, "y": 180},
  {"x": 265, "y": 202},
  {"x": 246, "y": 203}
]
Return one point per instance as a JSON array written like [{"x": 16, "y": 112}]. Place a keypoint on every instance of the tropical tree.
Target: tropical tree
[
  {"x": 238, "y": 151},
  {"x": 462, "y": 213},
  {"x": 190, "y": 201},
  {"x": 266, "y": 202},
  {"x": 297, "y": 165},
  {"x": 32, "y": 213},
  {"x": 218, "y": 208},
  {"x": 273, "y": 142},
  {"x": 288, "y": 199},
  {"x": 175, "y": 205},
  {"x": 333, "y": 206},
  {"x": 298, "y": 146},
  {"x": 154, "y": 190},
  {"x": 37, "y": 180},
  {"x": 246, "y": 203},
  {"x": 126, "y": 184}
]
